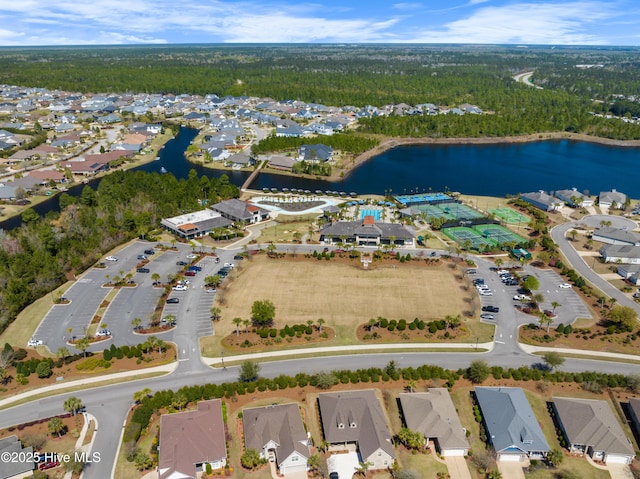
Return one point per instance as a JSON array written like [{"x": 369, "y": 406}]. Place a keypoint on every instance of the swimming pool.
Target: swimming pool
[{"x": 370, "y": 212}]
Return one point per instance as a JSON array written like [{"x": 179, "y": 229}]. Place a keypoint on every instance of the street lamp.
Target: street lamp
[
  {"x": 222, "y": 358},
  {"x": 477, "y": 344}
]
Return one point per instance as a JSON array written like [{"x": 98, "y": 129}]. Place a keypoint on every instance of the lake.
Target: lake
[{"x": 486, "y": 170}]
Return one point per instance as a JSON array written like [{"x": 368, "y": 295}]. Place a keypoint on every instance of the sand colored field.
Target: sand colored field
[{"x": 342, "y": 293}]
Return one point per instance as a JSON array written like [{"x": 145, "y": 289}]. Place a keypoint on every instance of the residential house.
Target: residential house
[
  {"x": 630, "y": 272},
  {"x": 511, "y": 427},
  {"x": 634, "y": 413},
  {"x": 315, "y": 153},
  {"x": 434, "y": 416},
  {"x": 367, "y": 232},
  {"x": 7, "y": 192},
  {"x": 240, "y": 160},
  {"x": 618, "y": 236},
  {"x": 590, "y": 427},
  {"x": 277, "y": 432},
  {"x": 612, "y": 199},
  {"x": 45, "y": 176},
  {"x": 189, "y": 440},
  {"x": 574, "y": 198},
  {"x": 616, "y": 253},
  {"x": 542, "y": 200},
  {"x": 21, "y": 462},
  {"x": 240, "y": 211},
  {"x": 355, "y": 419},
  {"x": 196, "y": 224},
  {"x": 291, "y": 131},
  {"x": 284, "y": 163}
]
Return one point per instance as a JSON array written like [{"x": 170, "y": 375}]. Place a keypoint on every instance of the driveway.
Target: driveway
[
  {"x": 344, "y": 464},
  {"x": 457, "y": 467},
  {"x": 512, "y": 470},
  {"x": 619, "y": 471}
]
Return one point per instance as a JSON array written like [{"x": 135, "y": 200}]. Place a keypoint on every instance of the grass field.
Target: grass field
[{"x": 343, "y": 294}]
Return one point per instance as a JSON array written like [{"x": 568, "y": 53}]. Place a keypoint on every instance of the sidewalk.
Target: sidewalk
[
  {"x": 527, "y": 348},
  {"x": 165, "y": 368},
  {"x": 88, "y": 419}
]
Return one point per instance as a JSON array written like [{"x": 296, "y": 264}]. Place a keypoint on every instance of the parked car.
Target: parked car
[
  {"x": 217, "y": 260},
  {"x": 433, "y": 254},
  {"x": 142, "y": 257},
  {"x": 478, "y": 281},
  {"x": 143, "y": 270},
  {"x": 48, "y": 465},
  {"x": 103, "y": 332},
  {"x": 195, "y": 268},
  {"x": 238, "y": 257},
  {"x": 521, "y": 297},
  {"x": 34, "y": 342},
  {"x": 491, "y": 309},
  {"x": 487, "y": 316},
  {"x": 192, "y": 256},
  {"x": 111, "y": 258},
  {"x": 564, "y": 286},
  {"x": 210, "y": 290},
  {"x": 149, "y": 251},
  {"x": 471, "y": 271},
  {"x": 229, "y": 265},
  {"x": 486, "y": 292},
  {"x": 181, "y": 263},
  {"x": 190, "y": 273},
  {"x": 173, "y": 300}
]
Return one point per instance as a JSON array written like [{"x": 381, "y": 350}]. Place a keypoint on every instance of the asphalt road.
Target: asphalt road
[{"x": 110, "y": 404}]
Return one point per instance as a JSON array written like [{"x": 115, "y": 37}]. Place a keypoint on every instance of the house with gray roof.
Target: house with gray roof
[
  {"x": 574, "y": 198},
  {"x": 542, "y": 200},
  {"x": 277, "y": 431},
  {"x": 367, "y": 232},
  {"x": 240, "y": 211},
  {"x": 196, "y": 224},
  {"x": 612, "y": 198},
  {"x": 191, "y": 439},
  {"x": 356, "y": 419},
  {"x": 634, "y": 413},
  {"x": 433, "y": 415},
  {"x": 21, "y": 466},
  {"x": 512, "y": 428},
  {"x": 612, "y": 235},
  {"x": 284, "y": 163},
  {"x": 590, "y": 427},
  {"x": 240, "y": 160},
  {"x": 7, "y": 191},
  {"x": 620, "y": 253},
  {"x": 630, "y": 272},
  {"x": 315, "y": 153}
]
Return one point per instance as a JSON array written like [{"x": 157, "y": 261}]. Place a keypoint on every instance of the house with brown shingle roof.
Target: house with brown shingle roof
[
  {"x": 277, "y": 431},
  {"x": 591, "y": 428},
  {"x": 356, "y": 418},
  {"x": 191, "y": 439},
  {"x": 433, "y": 415},
  {"x": 240, "y": 211}
]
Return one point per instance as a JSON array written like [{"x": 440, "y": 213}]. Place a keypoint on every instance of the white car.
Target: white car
[
  {"x": 111, "y": 258},
  {"x": 103, "y": 332},
  {"x": 486, "y": 292},
  {"x": 34, "y": 342},
  {"x": 564, "y": 286},
  {"x": 192, "y": 256},
  {"x": 210, "y": 290},
  {"x": 179, "y": 288},
  {"x": 229, "y": 265},
  {"x": 521, "y": 297}
]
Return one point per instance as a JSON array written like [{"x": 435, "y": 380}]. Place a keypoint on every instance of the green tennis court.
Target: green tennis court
[
  {"x": 461, "y": 235},
  {"x": 450, "y": 211},
  {"x": 510, "y": 216},
  {"x": 498, "y": 233}
]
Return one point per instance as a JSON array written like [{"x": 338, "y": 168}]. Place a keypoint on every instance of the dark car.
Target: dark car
[
  {"x": 238, "y": 257},
  {"x": 143, "y": 270},
  {"x": 149, "y": 251},
  {"x": 181, "y": 263},
  {"x": 173, "y": 300},
  {"x": 141, "y": 257},
  {"x": 190, "y": 273},
  {"x": 491, "y": 309},
  {"x": 195, "y": 268},
  {"x": 48, "y": 465}
]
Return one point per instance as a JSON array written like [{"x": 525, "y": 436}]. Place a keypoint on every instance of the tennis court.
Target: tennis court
[
  {"x": 450, "y": 211},
  {"x": 510, "y": 216},
  {"x": 424, "y": 198},
  {"x": 499, "y": 234},
  {"x": 461, "y": 235}
]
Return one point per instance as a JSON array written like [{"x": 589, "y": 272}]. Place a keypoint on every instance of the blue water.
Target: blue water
[
  {"x": 486, "y": 170},
  {"x": 375, "y": 213}
]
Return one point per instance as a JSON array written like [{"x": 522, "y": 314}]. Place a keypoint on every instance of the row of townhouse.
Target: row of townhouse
[{"x": 556, "y": 200}]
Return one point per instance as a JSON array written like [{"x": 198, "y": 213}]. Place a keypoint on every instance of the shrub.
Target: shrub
[{"x": 44, "y": 369}]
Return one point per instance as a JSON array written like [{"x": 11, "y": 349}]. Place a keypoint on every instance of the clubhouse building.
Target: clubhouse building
[{"x": 367, "y": 232}]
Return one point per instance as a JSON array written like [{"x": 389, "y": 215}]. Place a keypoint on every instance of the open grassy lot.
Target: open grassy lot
[{"x": 341, "y": 292}]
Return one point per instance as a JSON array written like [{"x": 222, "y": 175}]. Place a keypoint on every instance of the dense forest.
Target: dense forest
[
  {"x": 348, "y": 142},
  {"x": 37, "y": 257},
  {"x": 576, "y": 81}
]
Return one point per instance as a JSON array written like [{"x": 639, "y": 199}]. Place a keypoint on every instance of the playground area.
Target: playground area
[
  {"x": 482, "y": 236},
  {"x": 449, "y": 211},
  {"x": 510, "y": 216}
]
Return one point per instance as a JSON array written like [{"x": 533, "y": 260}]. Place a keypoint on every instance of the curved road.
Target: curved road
[{"x": 110, "y": 404}]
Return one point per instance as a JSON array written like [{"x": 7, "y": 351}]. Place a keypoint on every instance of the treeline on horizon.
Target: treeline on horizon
[
  {"x": 363, "y": 75},
  {"x": 37, "y": 257}
]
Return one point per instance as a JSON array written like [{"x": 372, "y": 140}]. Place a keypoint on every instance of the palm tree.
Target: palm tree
[
  {"x": 246, "y": 323},
  {"x": 320, "y": 322},
  {"x": 554, "y": 305},
  {"x": 372, "y": 323},
  {"x": 161, "y": 345},
  {"x": 612, "y": 302},
  {"x": 573, "y": 234},
  {"x": 155, "y": 277},
  {"x": 237, "y": 322},
  {"x": 136, "y": 322},
  {"x": 538, "y": 298},
  {"x": 138, "y": 396},
  {"x": 83, "y": 344},
  {"x": 411, "y": 385},
  {"x": 215, "y": 313},
  {"x": 62, "y": 353},
  {"x": 545, "y": 320},
  {"x": 55, "y": 426},
  {"x": 73, "y": 405}
]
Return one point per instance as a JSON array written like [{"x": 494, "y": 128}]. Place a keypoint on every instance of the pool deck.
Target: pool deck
[{"x": 327, "y": 201}]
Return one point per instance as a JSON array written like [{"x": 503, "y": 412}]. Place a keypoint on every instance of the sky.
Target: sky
[{"x": 106, "y": 22}]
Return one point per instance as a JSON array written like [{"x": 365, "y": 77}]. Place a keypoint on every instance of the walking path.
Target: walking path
[
  {"x": 527, "y": 348},
  {"x": 80, "y": 446}
]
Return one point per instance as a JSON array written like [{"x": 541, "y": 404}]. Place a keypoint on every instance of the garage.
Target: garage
[
  {"x": 344, "y": 464},
  {"x": 617, "y": 459},
  {"x": 511, "y": 457}
]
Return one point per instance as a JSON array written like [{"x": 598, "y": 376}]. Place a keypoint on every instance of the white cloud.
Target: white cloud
[
  {"x": 407, "y": 6},
  {"x": 535, "y": 23}
]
